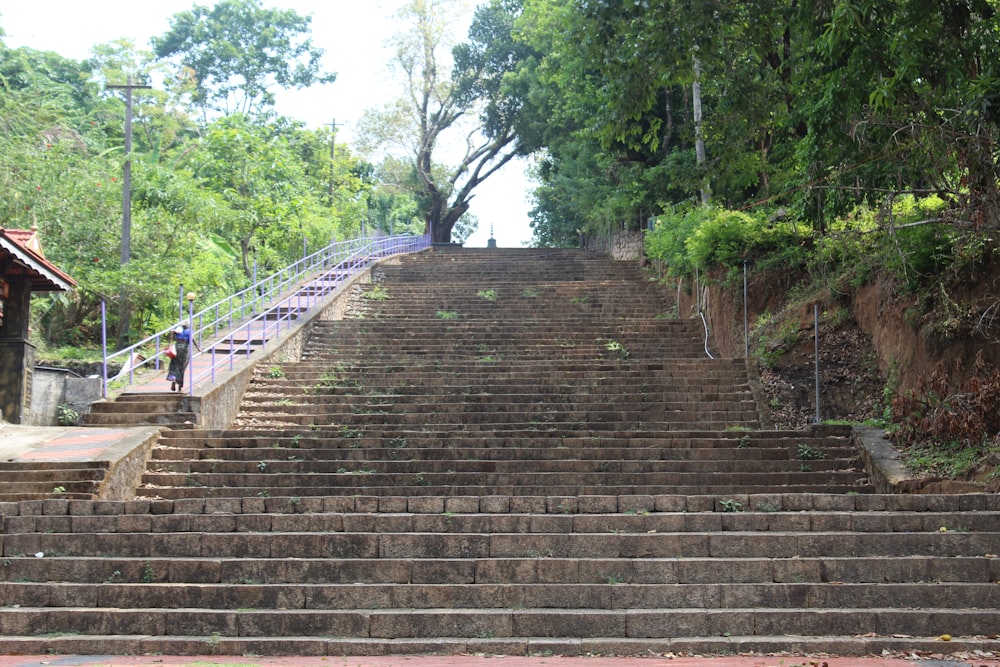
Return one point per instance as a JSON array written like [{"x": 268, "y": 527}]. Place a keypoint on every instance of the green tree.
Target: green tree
[
  {"x": 922, "y": 109},
  {"x": 206, "y": 201},
  {"x": 623, "y": 75},
  {"x": 393, "y": 206},
  {"x": 435, "y": 106},
  {"x": 252, "y": 170},
  {"x": 237, "y": 52},
  {"x": 61, "y": 174}
]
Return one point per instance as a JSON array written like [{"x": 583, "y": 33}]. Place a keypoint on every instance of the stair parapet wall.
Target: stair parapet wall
[
  {"x": 624, "y": 245},
  {"x": 127, "y": 463}
]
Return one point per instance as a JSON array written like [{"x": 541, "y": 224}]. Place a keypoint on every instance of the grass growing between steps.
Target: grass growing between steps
[{"x": 377, "y": 293}]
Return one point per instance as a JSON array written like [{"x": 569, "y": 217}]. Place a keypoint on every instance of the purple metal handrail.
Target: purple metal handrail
[{"x": 274, "y": 302}]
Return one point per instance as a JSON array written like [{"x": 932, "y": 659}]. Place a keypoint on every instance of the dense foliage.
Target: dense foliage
[
  {"x": 817, "y": 106},
  {"x": 821, "y": 122},
  {"x": 216, "y": 197}
]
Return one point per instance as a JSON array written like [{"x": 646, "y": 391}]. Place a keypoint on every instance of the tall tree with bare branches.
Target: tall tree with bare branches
[{"x": 442, "y": 121}]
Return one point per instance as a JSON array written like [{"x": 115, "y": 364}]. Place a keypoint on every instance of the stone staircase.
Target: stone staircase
[
  {"x": 150, "y": 408},
  {"x": 36, "y": 480},
  {"x": 503, "y": 452}
]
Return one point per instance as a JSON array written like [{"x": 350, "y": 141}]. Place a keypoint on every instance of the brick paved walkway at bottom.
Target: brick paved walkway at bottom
[{"x": 483, "y": 661}]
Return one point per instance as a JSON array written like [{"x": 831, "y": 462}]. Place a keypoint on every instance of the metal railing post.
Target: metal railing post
[
  {"x": 816, "y": 338},
  {"x": 104, "y": 350},
  {"x": 746, "y": 328}
]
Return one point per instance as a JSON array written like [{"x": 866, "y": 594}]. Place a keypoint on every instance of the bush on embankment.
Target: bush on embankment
[{"x": 941, "y": 270}]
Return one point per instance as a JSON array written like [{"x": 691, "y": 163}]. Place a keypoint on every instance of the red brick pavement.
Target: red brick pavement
[
  {"x": 482, "y": 661},
  {"x": 74, "y": 445}
]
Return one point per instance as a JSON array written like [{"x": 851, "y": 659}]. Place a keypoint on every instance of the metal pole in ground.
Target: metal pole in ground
[
  {"x": 190, "y": 300},
  {"x": 816, "y": 337},
  {"x": 746, "y": 328},
  {"x": 104, "y": 350}
]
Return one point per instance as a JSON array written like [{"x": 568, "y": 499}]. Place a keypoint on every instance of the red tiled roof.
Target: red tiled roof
[
  {"x": 21, "y": 255},
  {"x": 27, "y": 238}
]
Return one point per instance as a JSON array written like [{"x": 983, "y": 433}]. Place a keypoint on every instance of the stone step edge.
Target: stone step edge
[
  {"x": 786, "y": 646},
  {"x": 734, "y": 434},
  {"x": 625, "y": 504}
]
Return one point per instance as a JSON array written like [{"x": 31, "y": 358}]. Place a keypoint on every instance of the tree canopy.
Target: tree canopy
[
  {"x": 211, "y": 199},
  {"x": 235, "y": 52},
  {"x": 813, "y": 105},
  {"x": 808, "y": 107}
]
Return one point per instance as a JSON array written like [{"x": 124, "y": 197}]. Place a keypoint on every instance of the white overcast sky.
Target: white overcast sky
[{"x": 353, "y": 34}]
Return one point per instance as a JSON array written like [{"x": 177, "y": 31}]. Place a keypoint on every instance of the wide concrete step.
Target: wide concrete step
[
  {"x": 487, "y": 644},
  {"x": 821, "y": 435},
  {"x": 365, "y": 622},
  {"x": 366, "y": 475},
  {"x": 56, "y": 467},
  {"x": 608, "y": 592},
  {"x": 411, "y": 397},
  {"x": 48, "y": 476},
  {"x": 224, "y": 465},
  {"x": 420, "y": 488},
  {"x": 485, "y": 354},
  {"x": 614, "y": 450},
  {"x": 317, "y": 544},
  {"x": 133, "y": 407},
  {"x": 649, "y": 369},
  {"x": 329, "y": 331},
  {"x": 526, "y": 412},
  {"x": 167, "y": 408},
  {"x": 168, "y": 398},
  {"x": 344, "y": 387},
  {"x": 28, "y": 576},
  {"x": 70, "y": 490},
  {"x": 609, "y": 319},
  {"x": 458, "y": 434},
  {"x": 563, "y": 520},
  {"x": 609, "y": 445},
  {"x": 175, "y": 458},
  {"x": 359, "y": 424},
  {"x": 31, "y": 480},
  {"x": 411, "y": 394},
  {"x": 476, "y": 378},
  {"x": 457, "y": 429},
  {"x": 128, "y": 418}
]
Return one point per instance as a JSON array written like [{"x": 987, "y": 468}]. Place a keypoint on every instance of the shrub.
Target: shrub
[{"x": 706, "y": 237}]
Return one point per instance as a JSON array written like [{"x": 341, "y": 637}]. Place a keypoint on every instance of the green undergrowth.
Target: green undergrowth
[
  {"x": 950, "y": 429},
  {"x": 916, "y": 245}
]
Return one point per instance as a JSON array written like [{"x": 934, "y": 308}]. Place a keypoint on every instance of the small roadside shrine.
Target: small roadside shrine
[{"x": 23, "y": 270}]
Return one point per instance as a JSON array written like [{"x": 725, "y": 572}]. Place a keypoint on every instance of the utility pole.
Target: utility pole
[
  {"x": 699, "y": 138},
  {"x": 126, "y": 251},
  {"x": 125, "y": 309},
  {"x": 333, "y": 147}
]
